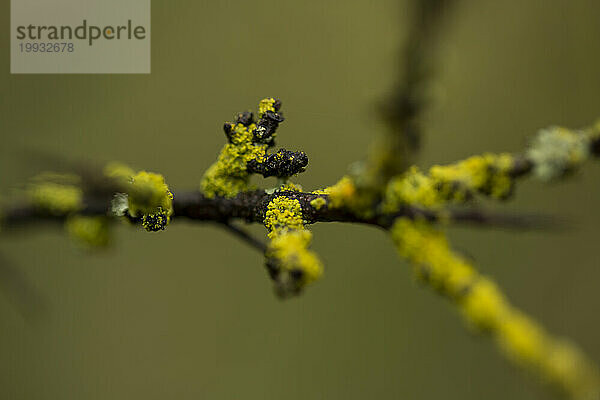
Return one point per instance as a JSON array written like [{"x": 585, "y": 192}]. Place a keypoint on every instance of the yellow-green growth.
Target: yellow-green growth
[
  {"x": 488, "y": 173},
  {"x": 320, "y": 191},
  {"x": 345, "y": 194},
  {"x": 414, "y": 188},
  {"x": 265, "y": 105},
  {"x": 89, "y": 231},
  {"x": 291, "y": 264},
  {"x": 56, "y": 198},
  {"x": 146, "y": 196},
  {"x": 342, "y": 193},
  {"x": 148, "y": 191},
  {"x": 149, "y": 197},
  {"x": 229, "y": 176},
  {"x": 296, "y": 265},
  {"x": 484, "y": 307},
  {"x": 318, "y": 203},
  {"x": 283, "y": 214},
  {"x": 290, "y": 186},
  {"x": 454, "y": 183}
]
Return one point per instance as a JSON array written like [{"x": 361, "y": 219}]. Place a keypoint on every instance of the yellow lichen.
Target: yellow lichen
[
  {"x": 57, "y": 199},
  {"x": 229, "y": 176},
  {"x": 283, "y": 214},
  {"x": 488, "y": 173},
  {"x": 318, "y": 203},
  {"x": 265, "y": 105},
  {"x": 345, "y": 194},
  {"x": 454, "y": 183},
  {"x": 148, "y": 191},
  {"x": 146, "y": 196},
  {"x": 291, "y": 264},
  {"x": 320, "y": 191},
  {"x": 342, "y": 193},
  {"x": 89, "y": 231},
  {"x": 485, "y": 307},
  {"x": 149, "y": 198},
  {"x": 522, "y": 339},
  {"x": 290, "y": 186},
  {"x": 414, "y": 188},
  {"x": 428, "y": 249},
  {"x": 297, "y": 266}
]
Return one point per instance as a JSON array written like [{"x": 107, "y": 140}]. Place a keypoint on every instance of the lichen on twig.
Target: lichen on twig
[
  {"x": 410, "y": 206},
  {"x": 385, "y": 191}
]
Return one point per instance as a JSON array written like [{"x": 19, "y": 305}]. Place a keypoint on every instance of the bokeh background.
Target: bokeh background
[{"x": 189, "y": 313}]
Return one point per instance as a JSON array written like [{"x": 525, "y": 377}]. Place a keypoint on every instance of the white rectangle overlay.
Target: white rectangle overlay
[{"x": 80, "y": 37}]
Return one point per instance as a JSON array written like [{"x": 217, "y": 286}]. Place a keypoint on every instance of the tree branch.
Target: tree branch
[
  {"x": 245, "y": 236},
  {"x": 251, "y": 207}
]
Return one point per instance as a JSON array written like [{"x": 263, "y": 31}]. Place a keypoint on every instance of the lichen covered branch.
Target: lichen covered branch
[
  {"x": 485, "y": 308},
  {"x": 413, "y": 206}
]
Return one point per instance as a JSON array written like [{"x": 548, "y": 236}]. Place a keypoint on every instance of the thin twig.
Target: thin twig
[{"x": 245, "y": 236}]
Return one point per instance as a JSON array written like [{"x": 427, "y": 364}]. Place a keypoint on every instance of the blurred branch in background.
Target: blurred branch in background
[{"x": 393, "y": 152}]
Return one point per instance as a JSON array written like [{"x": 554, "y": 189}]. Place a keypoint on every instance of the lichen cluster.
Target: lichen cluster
[
  {"x": 343, "y": 194},
  {"x": 56, "y": 198},
  {"x": 289, "y": 262},
  {"x": 558, "y": 151},
  {"x": 62, "y": 195},
  {"x": 488, "y": 174},
  {"x": 246, "y": 153},
  {"x": 142, "y": 196},
  {"x": 484, "y": 307},
  {"x": 554, "y": 153},
  {"x": 440, "y": 186},
  {"x": 151, "y": 200}
]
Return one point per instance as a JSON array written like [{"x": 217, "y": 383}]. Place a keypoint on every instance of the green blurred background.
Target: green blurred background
[{"x": 189, "y": 313}]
